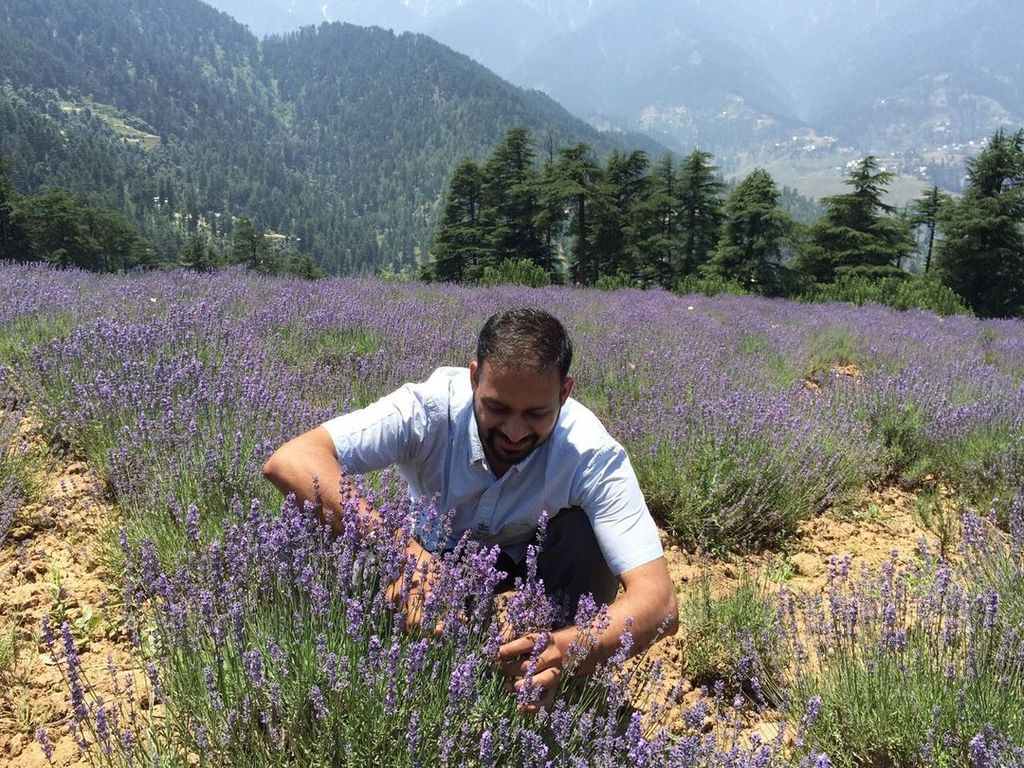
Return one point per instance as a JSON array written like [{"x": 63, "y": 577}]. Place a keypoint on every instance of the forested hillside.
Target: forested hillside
[
  {"x": 791, "y": 80},
  {"x": 338, "y": 137}
]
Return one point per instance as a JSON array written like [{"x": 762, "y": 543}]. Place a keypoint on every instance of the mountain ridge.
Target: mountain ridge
[
  {"x": 819, "y": 67},
  {"x": 340, "y": 137}
]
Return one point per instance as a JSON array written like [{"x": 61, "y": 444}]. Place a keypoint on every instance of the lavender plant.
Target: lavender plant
[
  {"x": 19, "y": 466},
  {"x": 732, "y": 637},
  {"x": 911, "y": 666},
  {"x": 993, "y": 558},
  {"x": 277, "y": 645},
  {"x": 176, "y": 389}
]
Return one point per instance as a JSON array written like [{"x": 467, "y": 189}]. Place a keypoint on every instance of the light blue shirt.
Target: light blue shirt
[{"x": 429, "y": 431}]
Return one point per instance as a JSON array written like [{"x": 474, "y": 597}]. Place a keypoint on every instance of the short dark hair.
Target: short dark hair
[{"x": 525, "y": 336}]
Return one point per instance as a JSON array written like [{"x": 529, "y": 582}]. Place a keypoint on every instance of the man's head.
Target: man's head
[{"x": 520, "y": 381}]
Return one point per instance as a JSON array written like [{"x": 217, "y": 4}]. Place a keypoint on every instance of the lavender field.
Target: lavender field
[{"x": 266, "y": 643}]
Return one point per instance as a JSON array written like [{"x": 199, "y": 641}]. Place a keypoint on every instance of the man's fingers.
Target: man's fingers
[
  {"x": 546, "y": 682},
  {"x": 545, "y": 679},
  {"x": 514, "y": 656},
  {"x": 515, "y": 660},
  {"x": 521, "y": 646}
]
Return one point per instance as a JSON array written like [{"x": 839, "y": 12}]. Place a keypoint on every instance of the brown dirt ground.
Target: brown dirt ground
[
  {"x": 56, "y": 543},
  {"x": 883, "y": 522},
  {"x": 51, "y": 562}
]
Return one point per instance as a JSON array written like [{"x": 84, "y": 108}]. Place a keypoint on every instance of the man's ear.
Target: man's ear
[
  {"x": 566, "y": 389},
  {"x": 474, "y": 374}
]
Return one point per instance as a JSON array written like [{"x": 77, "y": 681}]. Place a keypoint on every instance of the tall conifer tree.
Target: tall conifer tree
[
  {"x": 655, "y": 243},
  {"x": 924, "y": 212},
  {"x": 617, "y": 226},
  {"x": 14, "y": 243},
  {"x": 511, "y": 201},
  {"x": 577, "y": 181},
  {"x": 753, "y": 234},
  {"x": 981, "y": 255},
  {"x": 858, "y": 232},
  {"x": 461, "y": 252},
  {"x": 700, "y": 211}
]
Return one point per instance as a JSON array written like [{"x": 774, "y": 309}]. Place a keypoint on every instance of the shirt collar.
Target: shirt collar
[{"x": 476, "y": 448}]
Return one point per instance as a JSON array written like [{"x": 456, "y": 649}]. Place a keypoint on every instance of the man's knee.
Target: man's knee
[{"x": 571, "y": 562}]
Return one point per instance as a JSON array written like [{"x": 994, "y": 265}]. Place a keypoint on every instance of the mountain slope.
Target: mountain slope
[
  {"x": 341, "y": 136},
  {"x": 675, "y": 68},
  {"x": 956, "y": 73},
  {"x": 735, "y": 75}
]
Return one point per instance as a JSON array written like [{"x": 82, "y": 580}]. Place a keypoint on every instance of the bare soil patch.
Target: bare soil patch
[{"x": 51, "y": 563}]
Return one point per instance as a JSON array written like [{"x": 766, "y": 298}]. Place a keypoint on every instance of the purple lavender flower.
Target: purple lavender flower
[
  {"x": 47, "y": 629},
  {"x": 412, "y": 733},
  {"x": 192, "y": 523},
  {"x": 811, "y": 714},
  {"x": 486, "y": 750},
  {"x": 982, "y": 754},
  {"x": 252, "y": 664},
  {"x": 462, "y": 685},
  {"x": 102, "y": 728},
  {"x": 991, "y": 609},
  {"x": 45, "y": 743},
  {"x": 316, "y": 698},
  {"x": 73, "y": 669},
  {"x": 277, "y": 656},
  {"x": 128, "y": 741}
]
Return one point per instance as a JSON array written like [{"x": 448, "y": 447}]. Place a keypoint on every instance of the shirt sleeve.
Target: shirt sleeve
[
  {"x": 385, "y": 433},
  {"x": 611, "y": 497}
]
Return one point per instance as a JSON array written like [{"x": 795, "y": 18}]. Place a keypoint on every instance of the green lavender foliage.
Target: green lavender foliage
[{"x": 910, "y": 665}]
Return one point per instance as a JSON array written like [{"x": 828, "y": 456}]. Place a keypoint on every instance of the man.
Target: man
[{"x": 500, "y": 444}]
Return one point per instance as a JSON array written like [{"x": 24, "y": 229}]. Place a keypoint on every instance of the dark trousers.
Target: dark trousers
[{"x": 570, "y": 563}]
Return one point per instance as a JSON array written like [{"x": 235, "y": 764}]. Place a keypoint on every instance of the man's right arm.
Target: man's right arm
[{"x": 308, "y": 467}]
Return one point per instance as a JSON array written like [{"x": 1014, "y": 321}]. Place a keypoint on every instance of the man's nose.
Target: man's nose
[{"x": 516, "y": 429}]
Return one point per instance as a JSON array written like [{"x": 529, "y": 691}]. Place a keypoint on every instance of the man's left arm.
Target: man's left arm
[{"x": 646, "y": 606}]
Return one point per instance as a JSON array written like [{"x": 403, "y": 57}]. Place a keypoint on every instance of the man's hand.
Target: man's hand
[
  {"x": 533, "y": 665},
  {"x": 414, "y": 588}
]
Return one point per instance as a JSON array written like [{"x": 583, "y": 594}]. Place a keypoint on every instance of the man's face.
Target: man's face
[{"x": 516, "y": 409}]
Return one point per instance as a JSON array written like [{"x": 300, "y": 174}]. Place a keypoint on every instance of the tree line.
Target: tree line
[
  {"x": 64, "y": 229},
  {"x": 568, "y": 217}
]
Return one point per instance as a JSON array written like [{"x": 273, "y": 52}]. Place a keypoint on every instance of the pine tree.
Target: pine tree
[
  {"x": 655, "y": 243},
  {"x": 461, "y": 251},
  {"x": 617, "y": 225},
  {"x": 700, "y": 211},
  {"x": 14, "y": 242},
  {"x": 924, "y": 212},
  {"x": 65, "y": 230},
  {"x": 301, "y": 264},
  {"x": 858, "y": 233},
  {"x": 249, "y": 246},
  {"x": 511, "y": 201},
  {"x": 552, "y": 216},
  {"x": 198, "y": 255},
  {"x": 576, "y": 181},
  {"x": 753, "y": 233},
  {"x": 981, "y": 255}
]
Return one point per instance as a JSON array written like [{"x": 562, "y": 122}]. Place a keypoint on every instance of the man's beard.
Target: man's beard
[{"x": 506, "y": 456}]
